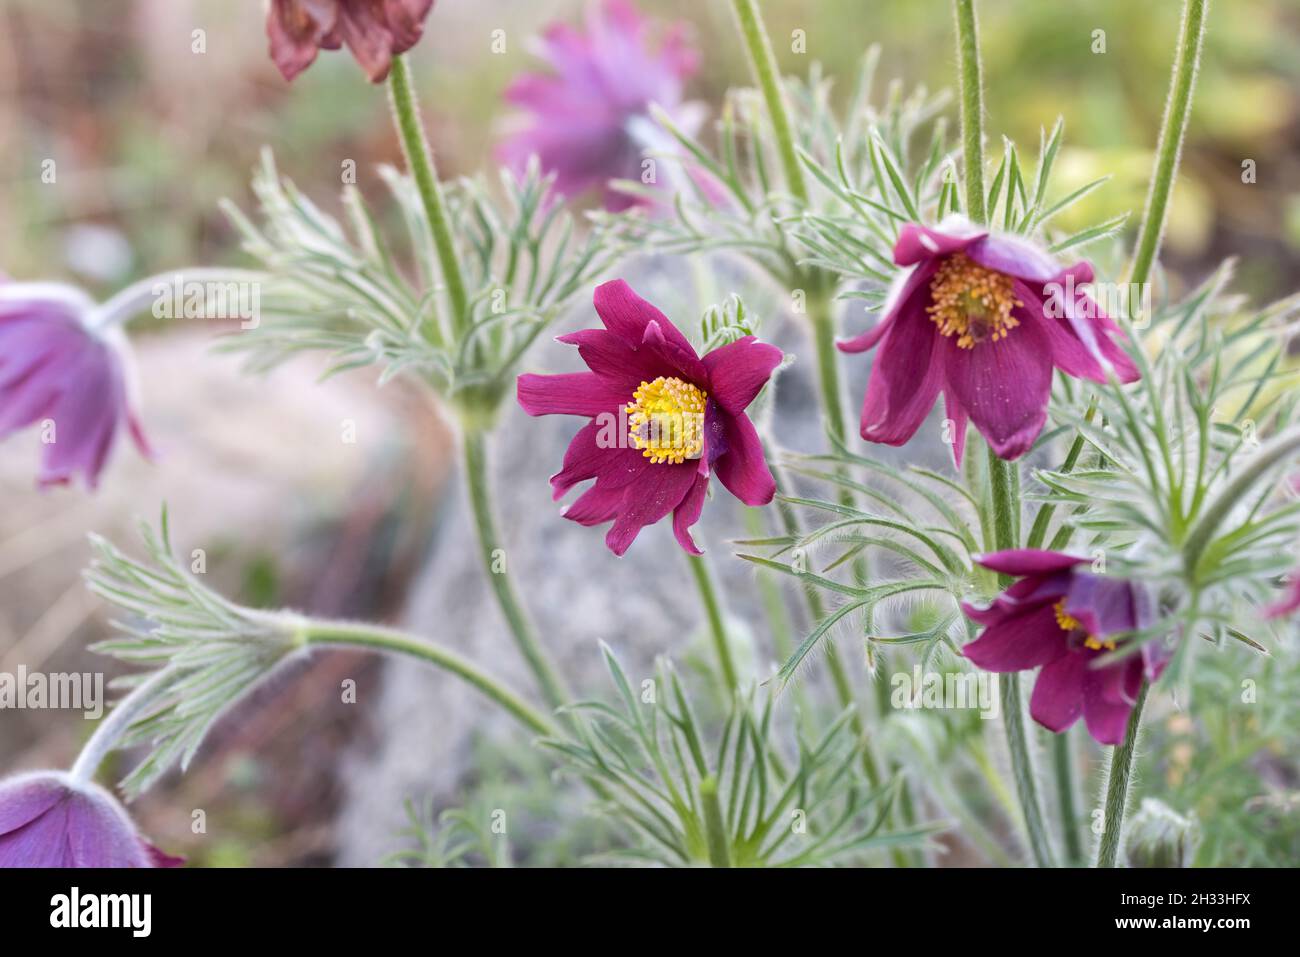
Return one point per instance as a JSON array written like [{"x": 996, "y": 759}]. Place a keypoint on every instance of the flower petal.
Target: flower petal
[
  {"x": 742, "y": 468},
  {"x": 738, "y": 371},
  {"x": 1104, "y": 606},
  {"x": 1057, "y": 700},
  {"x": 1014, "y": 256},
  {"x": 688, "y": 513},
  {"x": 1105, "y": 714},
  {"x": 1026, "y": 637},
  {"x": 918, "y": 243},
  {"x": 1028, "y": 561},
  {"x": 905, "y": 381},
  {"x": 609, "y": 356},
  {"x": 573, "y": 393},
  {"x": 627, "y": 315},
  {"x": 1004, "y": 386},
  {"x": 905, "y": 289},
  {"x": 660, "y": 489}
]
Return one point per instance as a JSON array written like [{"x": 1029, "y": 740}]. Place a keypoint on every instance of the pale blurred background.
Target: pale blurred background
[{"x": 147, "y": 135}]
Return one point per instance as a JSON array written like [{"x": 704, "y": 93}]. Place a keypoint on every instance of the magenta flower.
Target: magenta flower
[
  {"x": 1065, "y": 619},
  {"x": 588, "y": 122},
  {"x": 662, "y": 419},
  {"x": 59, "y": 372},
  {"x": 374, "y": 30},
  {"x": 983, "y": 319},
  {"x": 48, "y": 820}
]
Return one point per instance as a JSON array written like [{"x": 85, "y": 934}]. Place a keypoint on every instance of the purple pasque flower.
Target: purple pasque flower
[
  {"x": 49, "y": 820},
  {"x": 1063, "y": 619},
  {"x": 62, "y": 369},
  {"x": 982, "y": 318},
  {"x": 662, "y": 420},
  {"x": 374, "y": 30},
  {"x": 588, "y": 121}
]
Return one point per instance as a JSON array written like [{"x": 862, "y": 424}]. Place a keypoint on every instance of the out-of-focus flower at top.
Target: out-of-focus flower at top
[
  {"x": 662, "y": 419},
  {"x": 588, "y": 122},
  {"x": 48, "y": 819},
  {"x": 65, "y": 367},
  {"x": 1064, "y": 619},
  {"x": 374, "y": 30},
  {"x": 983, "y": 319}
]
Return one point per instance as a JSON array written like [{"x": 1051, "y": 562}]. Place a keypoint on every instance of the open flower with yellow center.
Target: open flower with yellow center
[
  {"x": 1064, "y": 619},
  {"x": 983, "y": 319},
  {"x": 663, "y": 419}
]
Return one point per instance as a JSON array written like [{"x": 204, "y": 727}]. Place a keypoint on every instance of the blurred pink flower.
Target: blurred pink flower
[
  {"x": 588, "y": 122},
  {"x": 56, "y": 368},
  {"x": 374, "y": 30},
  {"x": 49, "y": 820},
  {"x": 662, "y": 420}
]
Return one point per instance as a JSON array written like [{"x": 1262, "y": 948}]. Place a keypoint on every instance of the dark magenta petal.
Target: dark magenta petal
[
  {"x": 918, "y": 243},
  {"x": 573, "y": 393},
  {"x": 594, "y": 452},
  {"x": 910, "y": 296},
  {"x": 659, "y": 490},
  {"x": 1004, "y": 386},
  {"x": 1057, "y": 700},
  {"x": 1023, "y": 638},
  {"x": 683, "y": 360},
  {"x": 1156, "y": 655},
  {"x": 743, "y": 467},
  {"x": 1028, "y": 561},
  {"x": 627, "y": 315},
  {"x": 596, "y": 506},
  {"x": 739, "y": 370},
  {"x": 374, "y": 31},
  {"x": 610, "y": 357},
  {"x": 904, "y": 383},
  {"x": 1105, "y": 713},
  {"x": 688, "y": 513}
]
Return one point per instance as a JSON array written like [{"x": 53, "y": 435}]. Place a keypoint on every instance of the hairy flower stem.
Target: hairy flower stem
[
  {"x": 373, "y": 638},
  {"x": 110, "y": 730},
  {"x": 763, "y": 60},
  {"x": 1004, "y": 487},
  {"x": 972, "y": 107},
  {"x": 1063, "y": 766},
  {"x": 419, "y": 161},
  {"x": 493, "y": 554},
  {"x": 717, "y": 626},
  {"x": 715, "y": 830},
  {"x": 1172, "y": 130},
  {"x": 1121, "y": 767}
]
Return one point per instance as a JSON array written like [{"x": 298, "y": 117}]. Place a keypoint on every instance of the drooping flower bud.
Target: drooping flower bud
[
  {"x": 49, "y": 820},
  {"x": 1158, "y": 836}
]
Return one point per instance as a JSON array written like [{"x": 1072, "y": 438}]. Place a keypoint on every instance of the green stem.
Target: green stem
[
  {"x": 111, "y": 729},
  {"x": 1063, "y": 765},
  {"x": 1172, "y": 130},
  {"x": 822, "y": 316},
  {"x": 715, "y": 831},
  {"x": 419, "y": 161},
  {"x": 713, "y": 609},
  {"x": 763, "y": 60},
  {"x": 1121, "y": 768},
  {"x": 972, "y": 107},
  {"x": 1004, "y": 487},
  {"x": 479, "y": 489},
  {"x": 374, "y": 638}
]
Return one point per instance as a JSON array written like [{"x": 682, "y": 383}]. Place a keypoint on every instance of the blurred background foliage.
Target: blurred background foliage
[{"x": 146, "y": 133}]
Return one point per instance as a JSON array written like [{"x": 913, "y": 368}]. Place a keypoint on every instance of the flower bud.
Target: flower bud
[
  {"x": 49, "y": 820},
  {"x": 1161, "y": 837}
]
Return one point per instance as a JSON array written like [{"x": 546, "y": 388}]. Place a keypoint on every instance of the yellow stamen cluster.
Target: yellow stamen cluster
[
  {"x": 1070, "y": 623},
  {"x": 666, "y": 420},
  {"x": 971, "y": 302}
]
